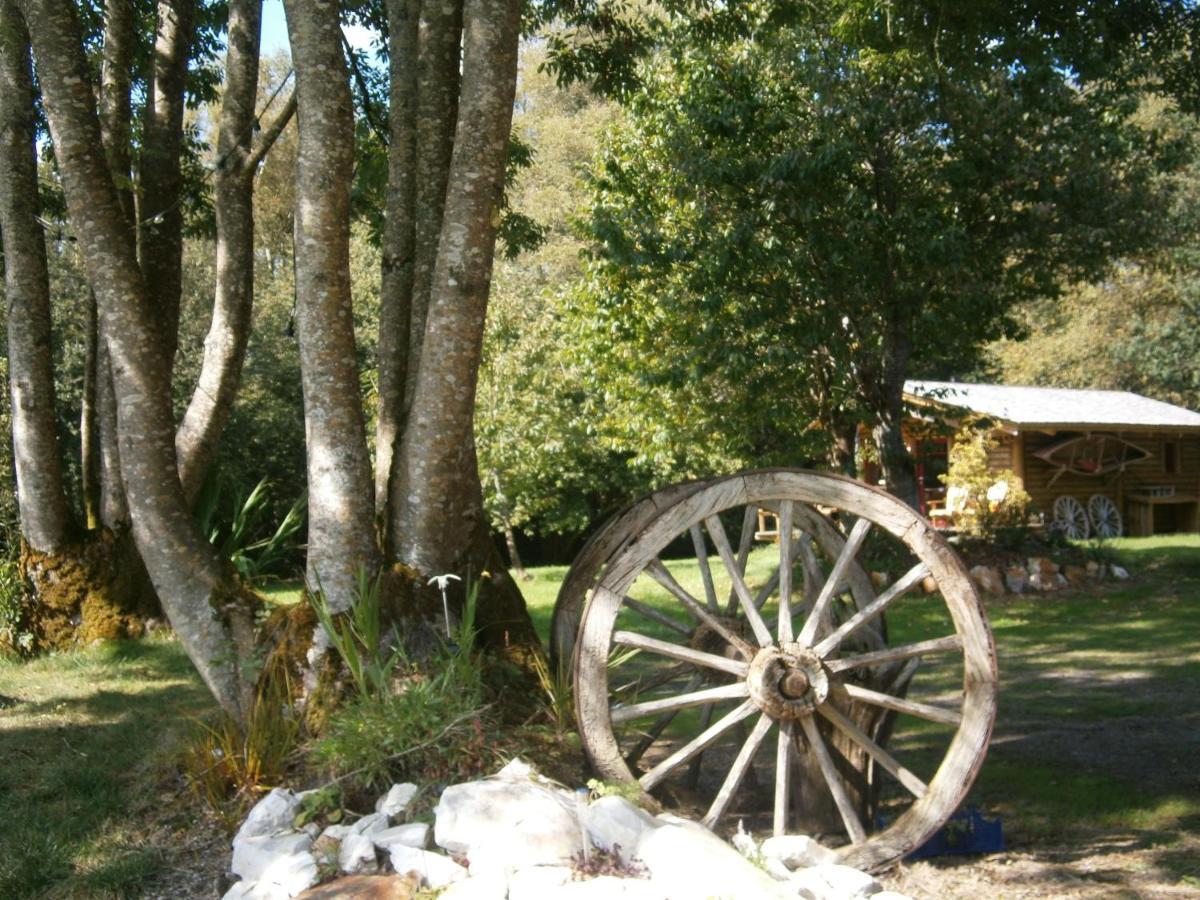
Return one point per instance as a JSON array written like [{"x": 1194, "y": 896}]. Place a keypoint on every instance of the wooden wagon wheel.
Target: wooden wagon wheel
[
  {"x": 610, "y": 537},
  {"x": 661, "y": 684},
  {"x": 1104, "y": 516},
  {"x": 1070, "y": 517}
]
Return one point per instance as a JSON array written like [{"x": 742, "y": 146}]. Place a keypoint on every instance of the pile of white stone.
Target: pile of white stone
[
  {"x": 1041, "y": 574},
  {"x": 518, "y": 836}
]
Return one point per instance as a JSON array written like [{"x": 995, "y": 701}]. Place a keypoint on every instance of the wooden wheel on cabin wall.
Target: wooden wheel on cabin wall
[
  {"x": 769, "y": 688},
  {"x": 1070, "y": 517},
  {"x": 1104, "y": 517}
]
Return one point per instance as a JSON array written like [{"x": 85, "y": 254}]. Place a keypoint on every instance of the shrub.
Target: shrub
[
  {"x": 14, "y": 636},
  {"x": 982, "y": 515}
]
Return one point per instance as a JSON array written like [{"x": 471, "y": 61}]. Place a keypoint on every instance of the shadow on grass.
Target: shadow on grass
[{"x": 86, "y": 748}]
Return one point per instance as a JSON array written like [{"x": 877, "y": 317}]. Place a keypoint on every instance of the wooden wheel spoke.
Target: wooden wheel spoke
[
  {"x": 697, "y": 744},
  {"x": 911, "y": 782},
  {"x": 905, "y": 584},
  {"x": 710, "y": 590},
  {"x": 854, "y": 542},
  {"x": 903, "y": 704},
  {"x": 649, "y": 612},
  {"x": 845, "y": 807},
  {"x": 737, "y": 771},
  {"x": 638, "y": 686},
  {"x": 660, "y": 725},
  {"x": 735, "y": 691},
  {"x": 785, "y": 577},
  {"x": 660, "y": 574},
  {"x": 745, "y": 540},
  {"x": 784, "y": 751},
  {"x": 903, "y": 651},
  {"x": 684, "y": 654},
  {"x": 753, "y": 616}
]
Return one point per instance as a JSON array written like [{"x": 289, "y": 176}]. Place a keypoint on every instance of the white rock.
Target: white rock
[
  {"x": 476, "y": 889},
  {"x": 797, "y": 851},
  {"x": 356, "y": 855},
  {"x": 507, "y": 824},
  {"x": 335, "y": 832},
  {"x": 615, "y": 822},
  {"x": 776, "y": 869},
  {"x": 256, "y": 890},
  {"x": 253, "y": 856},
  {"x": 743, "y": 843},
  {"x": 396, "y": 800},
  {"x": 608, "y": 887},
  {"x": 434, "y": 870},
  {"x": 292, "y": 873},
  {"x": 1016, "y": 579},
  {"x": 1119, "y": 572},
  {"x": 272, "y": 814},
  {"x": 686, "y": 861},
  {"x": 829, "y": 881},
  {"x": 516, "y": 770},
  {"x": 536, "y": 882},
  {"x": 415, "y": 834},
  {"x": 372, "y": 823}
]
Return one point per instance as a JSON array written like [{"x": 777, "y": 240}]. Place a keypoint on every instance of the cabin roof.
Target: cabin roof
[{"x": 1055, "y": 408}]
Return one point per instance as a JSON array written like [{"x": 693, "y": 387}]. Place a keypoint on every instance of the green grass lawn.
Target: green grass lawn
[
  {"x": 88, "y": 742},
  {"x": 1095, "y": 742}
]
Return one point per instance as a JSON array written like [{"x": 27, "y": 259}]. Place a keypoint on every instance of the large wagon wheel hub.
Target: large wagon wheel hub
[
  {"x": 706, "y": 681},
  {"x": 787, "y": 682}
]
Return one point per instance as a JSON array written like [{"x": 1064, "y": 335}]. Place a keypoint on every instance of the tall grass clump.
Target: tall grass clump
[{"x": 424, "y": 722}]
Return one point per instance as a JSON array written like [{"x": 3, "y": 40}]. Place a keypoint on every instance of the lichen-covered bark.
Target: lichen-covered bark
[
  {"x": 233, "y": 186},
  {"x": 160, "y": 213},
  {"x": 399, "y": 239},
  {"x": 439, "y": 42},
  {"x": 438, "y": 522},
  {"x": 341, "y": 531},
  {"x": 208, "y": 613},
  {"x": 116, "y": 111},
  {"x": 89, "y": 436},
  {"x": 41, "y": 499}
]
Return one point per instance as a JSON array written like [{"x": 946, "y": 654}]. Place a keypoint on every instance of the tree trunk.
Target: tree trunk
[
  {"x": 212, "y": 401},
  {"x": 341, "y": 534},
  {"x": 438, "y": 94},
  {"x": 89, "y": 436},
  {"x": 210, "y": 615},
  {"x": 41, "y": 498},
  {"x": 160, "y": 226},
  {"x": 399, "y": 241},
  {"x": 438, "y": 522},
  {"x": 116, "y": 112},
  {"x": 885, "y": 395}
]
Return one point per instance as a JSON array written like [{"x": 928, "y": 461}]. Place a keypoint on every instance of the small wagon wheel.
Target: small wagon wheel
[
  {"x": 710, "y": 671},
  {"x": 1070, "y": 517},
  {"x": 1104, "y": 516}
]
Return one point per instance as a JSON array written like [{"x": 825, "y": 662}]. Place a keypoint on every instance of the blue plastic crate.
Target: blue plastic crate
[{"x": 965, "y": 832}]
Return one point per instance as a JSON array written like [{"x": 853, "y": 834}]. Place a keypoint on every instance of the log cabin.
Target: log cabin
[{"x": 1139, "y": 456}]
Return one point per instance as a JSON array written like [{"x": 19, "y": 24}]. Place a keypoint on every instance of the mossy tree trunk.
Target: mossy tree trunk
[{"x": 209, "y": 613}]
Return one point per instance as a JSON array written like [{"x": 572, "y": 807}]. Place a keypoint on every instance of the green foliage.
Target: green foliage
[
  {"x": 807, "y": 202},
  {"x": 971, "y": 476},
  {"x": 357, "y": 636},
  {"x": 626, "y": 790},
  {"x": 235, "y": 526},
  {"x": 13, "y": 636}
]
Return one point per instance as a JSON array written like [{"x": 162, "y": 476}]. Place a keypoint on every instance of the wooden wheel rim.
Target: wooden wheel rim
[
  {"x": 1104, "y": 516},
  {"x": 1071, "y": 517},
  {"x": 967, "y": 747}
]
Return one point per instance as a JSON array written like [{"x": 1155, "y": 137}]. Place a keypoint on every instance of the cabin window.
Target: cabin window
[{"x": 1170, "y": 457}]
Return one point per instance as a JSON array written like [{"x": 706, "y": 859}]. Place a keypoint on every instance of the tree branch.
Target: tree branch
[{"x": 271, "y": 134}]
